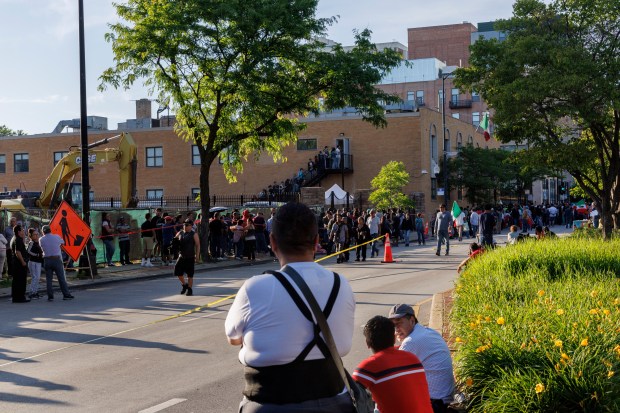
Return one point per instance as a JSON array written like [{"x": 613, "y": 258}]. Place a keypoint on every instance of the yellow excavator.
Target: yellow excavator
[{"x": 65, "y": 170}]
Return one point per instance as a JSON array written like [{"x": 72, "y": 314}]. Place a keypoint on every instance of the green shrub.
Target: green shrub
[{"x": 537, "y": 327}]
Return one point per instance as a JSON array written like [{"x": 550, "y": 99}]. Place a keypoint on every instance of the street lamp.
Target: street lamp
[{"x": 445, "y": 73}]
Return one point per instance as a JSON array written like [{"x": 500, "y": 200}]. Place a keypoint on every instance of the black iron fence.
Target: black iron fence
[{"x": 189, "y": 202}]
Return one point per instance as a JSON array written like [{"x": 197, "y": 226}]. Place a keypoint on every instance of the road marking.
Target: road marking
[
  {"x": 198, "y": 318},
  {"x": 162, "y": 406},
  {"x": 212, "y": 304}
]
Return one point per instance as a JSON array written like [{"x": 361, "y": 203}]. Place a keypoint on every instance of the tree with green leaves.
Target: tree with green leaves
[
  {"x": 6, "y": 131},
  {"x": 388, "y": 187},
  {"x": 239, "y": 74},
  {"x": 487, "y": 175},
  {"x": 553, "y": 83}
]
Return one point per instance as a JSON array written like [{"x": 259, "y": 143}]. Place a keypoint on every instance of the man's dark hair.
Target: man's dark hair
[
  {"x": 379, "y": 333},
  {"x": 147, "y": 216},
  {"x": 17, "y": 228},
  {"x": 488, "y": 207},
  {"x": 295, "y": 228}
]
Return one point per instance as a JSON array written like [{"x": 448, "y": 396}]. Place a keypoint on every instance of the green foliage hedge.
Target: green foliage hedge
[{"x": 537, "y": 327}]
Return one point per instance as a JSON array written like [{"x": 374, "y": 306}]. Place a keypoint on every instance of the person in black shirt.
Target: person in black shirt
[
  {"x": 215, "y": 237},
  {"x": 189, "y": 251},
  {"x": 20, "y": 265},
  {"x": 487, "y": 225},
  {"x": 148, "y": 239},
  {"x": 157, "y": 222}
]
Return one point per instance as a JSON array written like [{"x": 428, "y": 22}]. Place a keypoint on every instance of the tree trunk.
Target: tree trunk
[{"x": 205, "y": 204}]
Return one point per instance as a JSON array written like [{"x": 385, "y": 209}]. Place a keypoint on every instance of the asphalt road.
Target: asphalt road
[{"x": 123, "y": 348}]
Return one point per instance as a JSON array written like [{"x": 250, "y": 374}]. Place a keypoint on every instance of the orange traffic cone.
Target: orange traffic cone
[{"x": 387, "y": 254}]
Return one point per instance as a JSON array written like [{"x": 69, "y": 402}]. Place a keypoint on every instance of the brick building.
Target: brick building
[{"x": 168, "y": 166}]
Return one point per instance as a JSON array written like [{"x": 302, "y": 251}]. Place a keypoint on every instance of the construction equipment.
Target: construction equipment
[{"x": 59, "y": 181}]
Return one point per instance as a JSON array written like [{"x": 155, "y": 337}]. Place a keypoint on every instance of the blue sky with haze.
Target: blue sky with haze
[{"x": 39, "y": 73}]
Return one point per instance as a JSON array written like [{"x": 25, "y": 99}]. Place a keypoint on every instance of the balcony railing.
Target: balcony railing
[{"x": 460, "y": 103}]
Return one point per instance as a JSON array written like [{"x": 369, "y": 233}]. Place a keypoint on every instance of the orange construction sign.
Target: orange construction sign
[{"x": 67, "y": 224}]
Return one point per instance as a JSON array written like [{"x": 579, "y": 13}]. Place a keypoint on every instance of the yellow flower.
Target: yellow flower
[
  {"x": 584, "y": 342},
  {"x": 469, "y": 382},
  {"x": 565, "y": 356},
  {"x": 593, "y": 293},
  {"x": 617, "y": 349},
  {"x": 560, "y": 312},
  {"x": 483, "y": 348},
  {"x": 606, "y": 312},
  {"x": 593, "y": 311},
  {"x": 540, "y": 388},
  {"x": 501, "y": 321},
  {"x": 558, "y": 343},
  {"x": 575, "y": 325},
  {"x": 522, "y": 346},
  {"x": 472, "y": 325},
  {"x": 458, "y": 340},
  {"x": 487, "y": 318},
  {"x": 610, "y": 374},
  {"x": 534, "y": 339},
  {"x": 617, "y": 301},
  {"x": 541, "y": 293}
]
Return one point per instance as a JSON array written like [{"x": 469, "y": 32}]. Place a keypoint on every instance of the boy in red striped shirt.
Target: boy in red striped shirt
[{"x": 395, "y": 378}]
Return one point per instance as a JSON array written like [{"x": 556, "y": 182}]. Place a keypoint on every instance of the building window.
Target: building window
[
  {"x": 306, "y": 144},
  {"x": 195, "y": 155},
  {"x": 440, "y": 98},
  {"x": 154, "y": 193},
  {"x": 21, "y": 162},
  {"x": 419, "y": 97},
  {"x": 195, "y": 193},
  {"x": 433, "y": 188},
  {"x": 475, "y": 97},
  {"x": 470, "y": 140},
  {"x": 459, "y": 141},
  {"x": 155, "y": 156},
  {"x": 456, "y": 115},
  {"x": 59, "y": 155},
  {"x": 475, "y": 118},
  {"x": 455, "y": 96},
  {"x": 410, "y": 96},
  {"x": 227, "y": 155},
  {"x": 2, "y": 164}
]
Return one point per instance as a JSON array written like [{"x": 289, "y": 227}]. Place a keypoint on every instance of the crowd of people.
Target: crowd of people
[
  {"x": 32, "y": 254},
  {"x": 323, "y": 160}
]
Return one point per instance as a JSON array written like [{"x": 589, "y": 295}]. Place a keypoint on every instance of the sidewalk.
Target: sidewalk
[{"x": 132, "y": 272}]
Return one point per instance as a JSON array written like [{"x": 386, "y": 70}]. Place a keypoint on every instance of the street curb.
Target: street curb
[{"x": 437, "y": 313}]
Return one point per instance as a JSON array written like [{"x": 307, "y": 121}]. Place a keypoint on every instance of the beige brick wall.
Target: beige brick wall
[{"x": 406, "y": 139}]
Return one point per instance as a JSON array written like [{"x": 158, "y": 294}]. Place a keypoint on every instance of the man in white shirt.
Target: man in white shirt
[
  {"x": 284, "y": 369},
  {"x": 373, "y": 224},
  {"x": 52, "y": 263},
  {"x": 429, "y": 346}
]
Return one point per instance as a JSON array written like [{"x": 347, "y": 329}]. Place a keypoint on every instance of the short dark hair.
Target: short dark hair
[
  {"x": 295, "y": 228},
  {"x": 148, "y": 215},
  {"x": 379, "y": 333},
  {"x": 17, "y": 228}
]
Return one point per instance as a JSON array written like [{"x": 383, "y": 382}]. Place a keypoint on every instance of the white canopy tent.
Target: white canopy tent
[{"x": 340, "y": 196}]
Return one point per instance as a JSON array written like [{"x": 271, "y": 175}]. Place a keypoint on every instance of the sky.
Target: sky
[{"x": 39, "y": 49}]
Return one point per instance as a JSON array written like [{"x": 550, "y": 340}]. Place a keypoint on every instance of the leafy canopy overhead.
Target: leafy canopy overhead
[{"x": 238, "y": 73}]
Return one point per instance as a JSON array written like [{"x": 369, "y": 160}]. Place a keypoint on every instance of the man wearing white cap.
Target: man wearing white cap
[{"x": 429, "y": 346}]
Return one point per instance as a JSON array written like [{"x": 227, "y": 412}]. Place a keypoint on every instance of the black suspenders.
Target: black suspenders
[{"x": 317, "y": 339}]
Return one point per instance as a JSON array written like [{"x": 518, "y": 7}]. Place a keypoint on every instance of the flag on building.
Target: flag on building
[
  {"x": 486, "y": 126},
  {"x": 456, "y": 210}
]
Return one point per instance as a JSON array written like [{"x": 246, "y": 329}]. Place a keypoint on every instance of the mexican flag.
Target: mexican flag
[
  {"x": 486, "y": 126},
  {"x": 456, "y": 210},
  {"x": 581, "y": 203}
]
